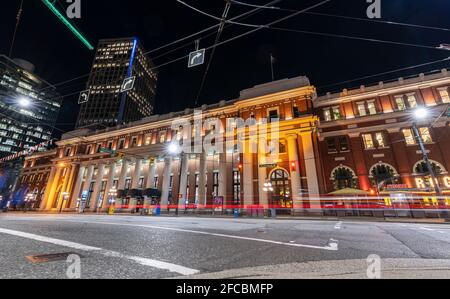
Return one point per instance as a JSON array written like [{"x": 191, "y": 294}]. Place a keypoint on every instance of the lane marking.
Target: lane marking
[
  {"x": 332, "y": 246},
  {"x": 338, "y": 225},
  {"x": 109, "y": 253}
]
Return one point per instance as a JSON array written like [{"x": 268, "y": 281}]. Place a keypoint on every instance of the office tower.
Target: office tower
[{"x": 116, "y": 60}]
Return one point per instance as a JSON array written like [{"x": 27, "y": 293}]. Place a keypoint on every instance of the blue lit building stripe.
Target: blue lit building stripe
[{"x": 129, "y": 73}]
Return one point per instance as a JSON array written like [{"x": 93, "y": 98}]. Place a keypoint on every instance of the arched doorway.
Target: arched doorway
[
  {"x": 383, "y": 174},
  {"x": 282, "y": 193},
  {"x": 344, "y": 177}
]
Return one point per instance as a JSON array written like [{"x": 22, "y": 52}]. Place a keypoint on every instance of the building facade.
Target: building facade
[
  {"x": 116, "y": 60},
  {"x": 29, "y": 107},
  {"x": 359, "y": 139},
  {"x": 367, "y": 139}
]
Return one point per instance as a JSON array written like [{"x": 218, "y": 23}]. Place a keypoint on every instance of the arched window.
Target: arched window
[
  {"x": 383, "y": 173},
  {"x": 344, "y": 177},
  {"x": 421, "y": 168}
]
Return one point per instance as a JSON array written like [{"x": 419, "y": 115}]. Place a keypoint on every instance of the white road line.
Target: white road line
[
  {"x": 338, "y": 225},
  {"x": 332, "y": 246},
  {"x": 140, "y": 260}
]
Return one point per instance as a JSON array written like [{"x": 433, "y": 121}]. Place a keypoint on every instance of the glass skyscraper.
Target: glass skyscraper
[
  {"x": 116, "y": 60},
  {"x": 29, "y": 107}
]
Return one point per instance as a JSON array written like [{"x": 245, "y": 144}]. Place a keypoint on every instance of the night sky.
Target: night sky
[{"x": 59, "y": 56}]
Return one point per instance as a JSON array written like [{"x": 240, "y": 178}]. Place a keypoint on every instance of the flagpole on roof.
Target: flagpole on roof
[{"x": 272, "y": 61}]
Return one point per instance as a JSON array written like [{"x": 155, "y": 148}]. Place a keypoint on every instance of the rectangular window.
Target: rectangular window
[
  {"x": 236, "y": 187},
  {"x": 343, "y": 144},
  {"x": 133, "y": 142},
  {"x": 412, "y": 101},
  {"x": 362, "y": 109},
  {"x": 99, "y": 148},
  {"x": 156, "y": 182},
  {"x": 331, "y": 145},
  {"x": 409, "y": 137},
  {"x": 148, "y": 139},
  {"x": 337, "y": 113},
  {"x": 400, "y": 103},
  {"x": 110, "y": 145},
  {"x": 445, "y": 96},
  {"x": 372, "y": 108},
  {"x": 282, "y": 149},
  {"x": 197, "y": 179},
  {"x": 128, "y": 184},
  {"x": 426, "y": 135},
  {"x": 327, "y": 115},
  {"x": 216, "y": 184},
  {"x": 368, "y": 141},
  {"x": 380, "y": 139},
  {"x": 141, "y": 183},
  {"x": 296, "y": 112},
  {"x": 162, "y": 137},
  {"x": 121, "y": 144},
  {"x": 273, "y": 115}
]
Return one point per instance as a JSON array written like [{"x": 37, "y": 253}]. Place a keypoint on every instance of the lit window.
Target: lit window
[
  {"x": 380, "y": 139},
  {"x": 372, "y": 108},
  {"x": 400, "y": 103},
  {"x": 162, "y": 137},
  {"x": 327, "y": 115},
  {"x": 409, "y": 137},
  {"x": 336, "y": 113},
  {"x": 445, "y": 96},
  {"x": 148, "y": 140},
  {"x": 368, "y": 141},
  {"x": 362, "y": 109},
  {"x": 412, "y": 101},
  {"x": 426, "y": 136}
]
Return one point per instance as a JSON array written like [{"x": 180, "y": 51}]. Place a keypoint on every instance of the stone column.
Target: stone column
[
  {"x": 137, "y": 174},
  {"x": 77, "y": 189},
  {"x": 97, "y": 187},
  {"x": 53, "y": 190},
  {"x": 166, "y": 182},
  {"x": 151, "y": 175},
  {"x": 202, "y": 181},
  {"x": 311, "y": 171},
  {"x": 223, "y": 174},
  {"x": 295, "y": 172},
  {"x": 247, "y": 177},
  {"x": 48, "y": 189},
  {"x": 68, "y": 182},
  {"x": 123, "y": 175},
  {"x": 183, "y": 180}
]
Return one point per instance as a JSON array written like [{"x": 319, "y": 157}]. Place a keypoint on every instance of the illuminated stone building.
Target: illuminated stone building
[
  {"x": 367, "y": 139},
  {"x": 359, "y": 139}
]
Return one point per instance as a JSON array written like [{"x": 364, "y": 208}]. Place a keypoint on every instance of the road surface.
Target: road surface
[{"x": 188, "y": 247}]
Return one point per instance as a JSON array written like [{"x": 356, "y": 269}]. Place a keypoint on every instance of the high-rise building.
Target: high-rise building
[
  {"x": 29, "y": 107},
  {"x": 116, "y": 60}
]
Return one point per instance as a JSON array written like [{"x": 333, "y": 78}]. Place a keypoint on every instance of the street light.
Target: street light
[
  {"x": 112, "y": 199},
  {"x": 65, "y": 196},
  {"x": 24, "y": 102},
  {"x": 422, "y": 113}
]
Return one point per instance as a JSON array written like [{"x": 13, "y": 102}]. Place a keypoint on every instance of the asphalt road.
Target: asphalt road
[{"x": 169, "y": 247}]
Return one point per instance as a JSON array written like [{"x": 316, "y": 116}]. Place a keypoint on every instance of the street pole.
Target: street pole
[{"x": 437, "y": 188}]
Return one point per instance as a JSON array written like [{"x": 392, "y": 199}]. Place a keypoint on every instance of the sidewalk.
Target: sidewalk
[{"x": 194, "y": 215}]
